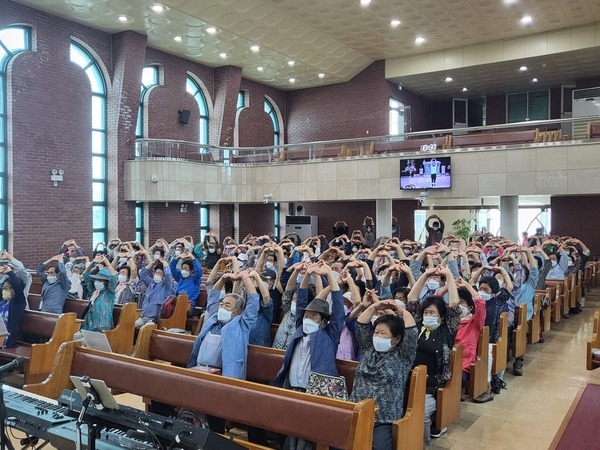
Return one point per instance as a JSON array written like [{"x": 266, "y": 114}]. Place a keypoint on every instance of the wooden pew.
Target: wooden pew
[
  {"x": 534, "y": 324},
  {"x": 124, "y": 316},
  {"x": 548, "y": 292},
  {"x": 271, "y": 408},
  {"x": 407, "y": 433},
  {"x": 593, "y": 130},
  {"x": 500, "y": 348},
  {"x": 593, "y": 344},
  {"x": 572, "y": 281},
  {"x": 179, "y": 317},
  {"x": 556, "y": 290},
  {"x": 478, "y": 373},
  {"x": 519, "y": 343},
  {"x": 265, "y": 362},
  {"x": 448, "y": 397},
  {"x": 53, "y": 328}
]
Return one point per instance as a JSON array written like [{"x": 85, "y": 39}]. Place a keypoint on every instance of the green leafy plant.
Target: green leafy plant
[{"x": 462, "y": 228}]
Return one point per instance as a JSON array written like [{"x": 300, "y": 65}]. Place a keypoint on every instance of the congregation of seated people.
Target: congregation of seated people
[{"x": 387, "y": 303}]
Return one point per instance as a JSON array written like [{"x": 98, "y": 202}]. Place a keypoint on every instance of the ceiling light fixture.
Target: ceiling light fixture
[
  {"x": 223, "y": 55},
  {"x": 464, "y": 89},
  {"x": 292, "y": 80},
  {"x": 395, "y": 22},
  {"x": 535, "y": 80},
  {"x": 365, "y": 2},
  {"x": 419, "y": 40},
  {"x": 321, "y": 75},
  {"x": 123, "y": 19},
  {"x": 255, "y": 48},
  {"x": 448, "y": 79},
  {"x": 291, "y": 63},
  {"x": 260, "y": 68},
  {"x": 211, "y": 30},
  {"x": 177, "y": 38},
  {"x": 526, "y": 20},
  {"x": 158, "y": 8},
  {"x": 523, "y": 69}
]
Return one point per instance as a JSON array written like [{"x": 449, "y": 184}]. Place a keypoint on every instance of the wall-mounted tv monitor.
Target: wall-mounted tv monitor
[{"x": 425, "y": 173}]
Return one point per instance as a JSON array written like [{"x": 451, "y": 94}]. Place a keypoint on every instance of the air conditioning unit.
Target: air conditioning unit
[
  {"x": 303, "y": 226},
  {"x": 586, "y": 102}
]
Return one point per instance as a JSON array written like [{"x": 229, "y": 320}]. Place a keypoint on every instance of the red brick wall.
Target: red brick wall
[
  {"x": 169, "y": 223},
  {"x": 256, "y": 219},
  {"x": 577, "y": 217}
]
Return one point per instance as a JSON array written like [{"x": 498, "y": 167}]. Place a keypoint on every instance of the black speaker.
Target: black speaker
[{"x": 184, "y": 115}]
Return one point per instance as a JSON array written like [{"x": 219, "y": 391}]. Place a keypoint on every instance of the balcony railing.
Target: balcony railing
[{"x": 497, "y": 136}]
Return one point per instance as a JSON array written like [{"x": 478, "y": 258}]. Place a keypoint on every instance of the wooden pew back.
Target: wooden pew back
[
  {"x": 500, "y": 348},
  {"x": 534, "y": 323},
  {"x": 407, "y": 433},
  {"x": 593, "y": 344},
  {"x": 179, "y": 317},
  {"x": 448, "y": 397},
  {"x": 478, "y": 383},
  {"x": 280, "y": 410},
  {"x": 519, "y": 343}
]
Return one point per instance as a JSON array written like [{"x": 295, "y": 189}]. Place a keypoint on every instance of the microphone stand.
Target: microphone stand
[{"x": 79, "y": 423}]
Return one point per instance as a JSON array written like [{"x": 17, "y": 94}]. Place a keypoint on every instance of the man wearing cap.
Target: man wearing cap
[
  {"x": 102, "y": 283},
  {"x": 317, "y": 335}
]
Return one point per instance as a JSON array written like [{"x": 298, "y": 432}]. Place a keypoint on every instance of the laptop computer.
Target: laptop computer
[{"x": 96, "y": 340}]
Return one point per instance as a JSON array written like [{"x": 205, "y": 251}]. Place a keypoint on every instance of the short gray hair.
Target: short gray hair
[{"x": 239, "y": 300}]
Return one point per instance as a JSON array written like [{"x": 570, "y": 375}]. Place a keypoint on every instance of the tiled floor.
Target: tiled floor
[{"x": 529, "y": 412}]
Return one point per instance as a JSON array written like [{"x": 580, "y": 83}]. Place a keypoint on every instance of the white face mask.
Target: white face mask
[
  {"x": 500, "y": 284},
  {"x": 346, "y": 310},
  {"x": 554, "y": 263},
  {"x": 463, "y": 310},
  {"x": 122, "y": 278},
  {"x": 98, "y": 285},
  {"x": 293, "y": 308},
  {"x": 122, "y": 261},
  {"x": 185, "y": 273},
  {"x": 211, "y": 249},
  {"x": 382, "y": 344},
  {"x": 157, "y": 279},
  {"x": 373, "y": 319},
  {"x": 431, "y": 322},
  {"x": 156, "y": 257},
  {"x": 570, "y": 263},
  {"x": 223, "y": 315},
  {"x": 52, "y": 279},
  {"x": 269, "y": 265},
  {"x": 432, "y": 285},
  {"x": 485, "y": 296},
  {"x": 177, "y": 252},
  {"x": 309, "y": 326}
]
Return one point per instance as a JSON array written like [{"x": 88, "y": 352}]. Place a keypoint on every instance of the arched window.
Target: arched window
[
  {"x": 13, "y": 40},
  {"x": 193, "y": 88},
  {"x": 272, "y": 112},
  {"x": 90, "y": 66},
  {"x": 149, "y": 79}
]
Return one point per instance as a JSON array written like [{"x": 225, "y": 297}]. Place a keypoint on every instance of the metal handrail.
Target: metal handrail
[{"x": 185, "y": 150}]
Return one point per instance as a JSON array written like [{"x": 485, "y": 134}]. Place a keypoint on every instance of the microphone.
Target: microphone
[{"x": 12, "y": 365}]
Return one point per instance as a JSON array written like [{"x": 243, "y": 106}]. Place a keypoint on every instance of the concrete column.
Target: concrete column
[
  {"x": 509, "y": 217},
  {"x": 383, "y": 217}
]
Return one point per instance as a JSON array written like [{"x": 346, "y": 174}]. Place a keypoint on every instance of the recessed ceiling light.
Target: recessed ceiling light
[
  {"x": 223, "y": 55},
  {"x": 526, "y": 20},
  {"x": 365, "y": 2},
  {"x": 177, "y": 38},
  {"x": 291, "y": 63},
  {"x": 448, "y": 79},
  {"x": 158, "y": 8},
  {"x": 523, "y": 69},
  {"x": 464, "y": 89},
  {"x": 292, "y": 80},
  {"x": 510, "y": 2},
  {"x": 254, "y": 48},
  {"x": 211, "y": 30},
  {"x": 535, "y": 80},
  {"x": 419, "y": 40},
  {"x": 321, "y": 75},
  {"x": 395, "y": 23},
  {"x": 124, "y": 19},
  {"x": 260, "y": 68}
]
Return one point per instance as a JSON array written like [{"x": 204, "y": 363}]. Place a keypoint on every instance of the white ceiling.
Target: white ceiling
[{"x": 339, "y": 38}]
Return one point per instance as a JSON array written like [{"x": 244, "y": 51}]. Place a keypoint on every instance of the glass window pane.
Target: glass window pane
[
  {"x": 99, "y": 217},
  {"x": 98, "y": 192},
  {"x": 2, "y": 128},
  {"x": 98, "y": 237},
  {"x": 2, "y": 217},
  {"x": 2, "y": 157},
  {"x": 3, "y": 56},
  {"x": 2, "y": 106},
  {"x": 98, "y": 112},
  {"x": 204, "y": 216},
  {"x": 139, "y": 216},
  {"x": 139, "y": 237},
  {"x": 203, "y": 131},
  {"x": 538, "y": 105},
  {"x": 138, "y": 127},
  {"x": 14, "y": 38},
  {"x": 98, "y": 142},
  {"x": 78, "y": 56},
  {"x": 98, "y": 168},
  {"x": 3, "y": 240},
  {"x": 149, "y": 76},
  {"x": 517, "y": 107},
  {"x": 96, "y": 80}
]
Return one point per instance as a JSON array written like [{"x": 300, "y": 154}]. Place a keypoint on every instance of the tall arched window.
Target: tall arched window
[
  {"x": 272, "y": 112},
  {"x": 90, "y": 66},
  {"x": 149, "y": 79},
  {"x": 193, "y": 88},
  {"x": 13, "y": 40}
]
